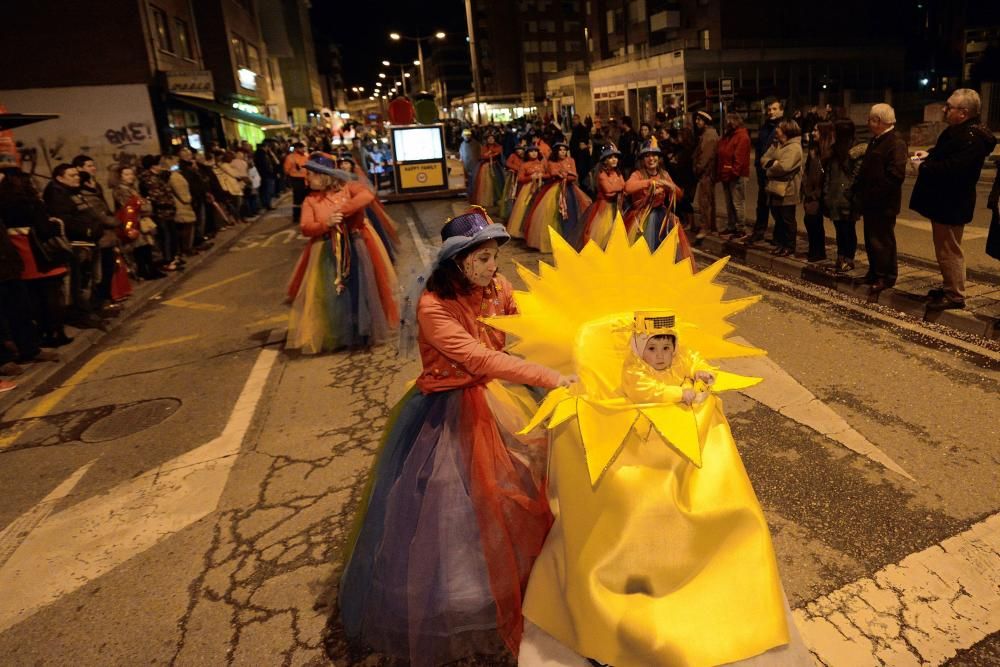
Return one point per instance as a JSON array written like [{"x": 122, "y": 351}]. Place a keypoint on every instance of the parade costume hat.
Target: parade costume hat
[
  {"x": 650, "y": 147},
  {"x": 323, "y": 164},
  {"x": 532, "y": 147},
  {"x": 610, "y": 151},
  {"x": 560, "y": 144},
  {"x": 705, "y": 116},
  {"x": 468, "y": 230},
  {"x": 655, "y": 323},
  {"x": 346, "y": 158}
]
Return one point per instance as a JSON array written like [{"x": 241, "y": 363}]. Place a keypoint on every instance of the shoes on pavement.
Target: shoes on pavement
[
  {"x": 56, "y": 341},
  {"x": 748, "y": 239},
  {"x": 44, "y": 355},
  {"x": 10, "y": 368},
  {"x": 877, "y": 286},
  {"x": 816, "y": 259},
  {"x": 935, "y": 293},
  {"x": 7, "y": 385},
  {"x": 946, "y": 303}
]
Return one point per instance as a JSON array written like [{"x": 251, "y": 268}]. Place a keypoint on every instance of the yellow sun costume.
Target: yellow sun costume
[{"x": 659, "y": 553}]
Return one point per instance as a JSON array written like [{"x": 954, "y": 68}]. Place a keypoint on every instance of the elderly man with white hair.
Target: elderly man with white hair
[
  {"x": 878, "y": 194},
  {"x": 945, "y": 190}
]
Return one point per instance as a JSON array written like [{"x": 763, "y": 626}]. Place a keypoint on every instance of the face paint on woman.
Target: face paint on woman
[{"x": 480, "y": 266}]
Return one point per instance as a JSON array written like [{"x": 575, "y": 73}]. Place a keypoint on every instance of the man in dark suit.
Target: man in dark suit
[
  {"x": 878, "y": 193},
  {"x": 945, "y": 190}
]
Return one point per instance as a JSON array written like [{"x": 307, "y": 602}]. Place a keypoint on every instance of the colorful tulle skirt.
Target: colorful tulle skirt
[
  {"x": 508, "y": 195},
  {"x": 488, "y": 185},
  {"x": 559, "y": 204},
  {"x": 363, "y": 312},
  {"x": 451, "y": 522},
  {"x": 597, "y": 222},
  {"x": 384, "y": 226},
  {"x": 522, "y": 202},
  {"x": 653, "y": 224}
]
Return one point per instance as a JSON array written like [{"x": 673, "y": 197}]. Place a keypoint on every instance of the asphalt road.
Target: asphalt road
[{"x": 182, "y": 494}]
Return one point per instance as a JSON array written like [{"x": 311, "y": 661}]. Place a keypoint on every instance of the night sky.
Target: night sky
[{"x": 362, "y": 30}]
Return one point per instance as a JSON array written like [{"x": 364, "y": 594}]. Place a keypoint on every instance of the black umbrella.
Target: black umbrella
[{"x": 9, "y": 121}]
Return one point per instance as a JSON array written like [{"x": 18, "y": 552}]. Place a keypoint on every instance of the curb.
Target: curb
[
  {"x": 143, "y": 293},
  {"x": 914, "y": 305}
]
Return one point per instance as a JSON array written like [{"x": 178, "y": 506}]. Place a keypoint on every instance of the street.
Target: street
[{"x": 182, "y": 494}]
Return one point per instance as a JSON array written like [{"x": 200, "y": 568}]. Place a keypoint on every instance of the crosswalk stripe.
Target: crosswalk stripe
[{"x": 919, "y": 611}]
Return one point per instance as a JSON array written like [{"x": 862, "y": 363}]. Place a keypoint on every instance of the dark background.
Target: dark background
[{"x": 362, "y": 30}]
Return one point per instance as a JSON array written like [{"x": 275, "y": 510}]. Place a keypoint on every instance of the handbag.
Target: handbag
[
  {"x": 776, "y": 187},
  {"x": 993, "y": 238},
  {"x": 53, "y": 252}
]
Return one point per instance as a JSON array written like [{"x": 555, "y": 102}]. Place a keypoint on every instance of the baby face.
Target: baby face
[{"x": 659, "y": 352}]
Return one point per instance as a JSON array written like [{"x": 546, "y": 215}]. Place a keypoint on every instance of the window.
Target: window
[
  {"x": 637, "y": 11},
  {"x": 703, "y": 39},
  {"x": 184, "y": 48},
  {"x": 531, "y": 47},
  {"x": 547, "y": 26},
  {"x": 161, "y": 30},
  {"x": 270, "y": 73},
  {"x": 611, "y": 21},
  {"x": 532, "y": 68},
  {"x": 548, "y": 47},
  {"x": 532, "y": 26},
  {"x": 253, "y": 58},
  {"x": 573, "y": 46},
  {"x": 239, "y": 51},
  {"x": 550, "y": 66}
]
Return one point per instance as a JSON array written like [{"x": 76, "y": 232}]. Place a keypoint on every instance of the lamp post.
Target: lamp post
[
  {"x": 395, "y": 36},
  {"x": 403, "y": 74},
  {"x": 475, "y": 62}
]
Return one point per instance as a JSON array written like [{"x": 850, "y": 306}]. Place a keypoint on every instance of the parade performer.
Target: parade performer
[
  {"x": 559, "y": 203},
  {"x": 383, "y": 224},
  {"x": 454, "y": 513},
  {"x": 599, "y": 218},
  {"x": 488, "y": 184},
  {"x": 659, "y": 554},
  {"x": 510, "y": 184},
  {"x": 653, "y": 196},
  {"x": 529, "y": 180},
  {"x": 344, "y": 289}
]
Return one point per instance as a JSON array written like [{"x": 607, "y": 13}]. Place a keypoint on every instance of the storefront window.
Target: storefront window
[
  {"x": 184, "y": 49},
  {"x": 646, "y": 109},
  {"x": 161, "y": 30}
]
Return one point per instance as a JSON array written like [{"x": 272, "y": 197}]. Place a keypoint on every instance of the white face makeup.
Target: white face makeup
[
  {"x": 659, "y": 352},
  {"x": 480, "y": 266}
]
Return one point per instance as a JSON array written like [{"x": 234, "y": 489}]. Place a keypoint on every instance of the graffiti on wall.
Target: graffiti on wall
[{"x": 130, "y": 134}]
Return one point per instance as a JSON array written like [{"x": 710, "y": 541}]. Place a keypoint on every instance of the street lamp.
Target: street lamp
[{"x": 395, "y": 36}]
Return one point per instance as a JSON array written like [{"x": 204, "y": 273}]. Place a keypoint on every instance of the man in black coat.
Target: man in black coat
[
  {"x": 628, "y": 144},
  {"x": 945, "y": 190},
  {"x": 878, "y": 194}
]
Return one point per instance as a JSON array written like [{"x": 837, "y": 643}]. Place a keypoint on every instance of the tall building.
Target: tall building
[
  {"x": 518, "y": 45},
  {"x": 299, "y": 73},
  {"x": 449, "y": 71},
  {"x": 133, "y": 78},
  {"x": 331, "y": 72},
  {"x": 668, "y": 55}
]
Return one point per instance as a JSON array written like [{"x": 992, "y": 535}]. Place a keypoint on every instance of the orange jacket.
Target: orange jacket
[
  {"x": 295, "y": 165},
  {"x": 351, "y": 200},
  {"x": 610, "y": 184},
  {"x": 457, "y": 350},
  {"x": 528, "y": 170},
  {"x": 514, "y": 162},
  {"x": 564, "y": 168},
  {"x": 489, "y": 152}
]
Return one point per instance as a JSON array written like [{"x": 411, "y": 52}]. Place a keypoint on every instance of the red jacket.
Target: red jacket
[{"x": 733, "y": 157}]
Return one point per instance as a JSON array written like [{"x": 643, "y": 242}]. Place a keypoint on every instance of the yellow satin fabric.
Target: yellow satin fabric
[{"x": 662, "y": 563}]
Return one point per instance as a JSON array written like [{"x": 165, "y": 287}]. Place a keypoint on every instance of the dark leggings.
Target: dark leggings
[
  {"x": 816, "y": 235},
  {"x": 784, "y": 226},
  {"x": 47, "y": 302},
  {"x": 847, "y": 238}
]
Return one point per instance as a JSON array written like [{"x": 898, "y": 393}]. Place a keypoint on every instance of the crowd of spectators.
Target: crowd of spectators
[{"x": 73, "y": 244}]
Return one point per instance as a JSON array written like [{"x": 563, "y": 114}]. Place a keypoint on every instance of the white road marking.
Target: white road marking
[
  {"x": 73, "y": 547},
  {"x": 13, "y": 535},
  {"x": 919, "y": 611},
  {"x": 782, "y": 393},
  {"x": 422, "y": 249}
]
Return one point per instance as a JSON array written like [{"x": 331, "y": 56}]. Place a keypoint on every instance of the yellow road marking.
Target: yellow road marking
[
  {"x": 277, "y": 319},
  {"x": 44, "y": 406},
  {"x": 181, "y": 300}
]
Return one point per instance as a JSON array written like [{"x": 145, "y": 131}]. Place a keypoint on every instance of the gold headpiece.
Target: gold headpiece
[{"x": 655, "y": 323}]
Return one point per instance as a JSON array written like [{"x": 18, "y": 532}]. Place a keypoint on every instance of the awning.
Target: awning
[
  {"x": 9, "y": 121},
  {"x": 257, "y": 119}
]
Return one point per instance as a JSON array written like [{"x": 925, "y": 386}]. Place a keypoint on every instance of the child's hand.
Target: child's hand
[
  {"x": 688, "y": 396},
  {"x": 335, "y": 219},
  {"x": 567, "y": 380},
  {"x": 705, "y": 376}
]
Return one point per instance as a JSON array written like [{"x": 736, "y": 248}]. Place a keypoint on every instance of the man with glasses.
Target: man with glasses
[{"x": 945, "y": 190}]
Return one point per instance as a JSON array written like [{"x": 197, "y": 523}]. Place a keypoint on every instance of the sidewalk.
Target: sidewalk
[
  {"x": 33, "y": 381},
  {"x": 981, "y": 316}
]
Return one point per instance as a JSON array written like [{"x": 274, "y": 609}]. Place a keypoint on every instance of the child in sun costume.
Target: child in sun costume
[{"x": 659, "y": 554}]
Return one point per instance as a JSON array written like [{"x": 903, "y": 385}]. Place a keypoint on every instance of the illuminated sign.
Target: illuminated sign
[
  {"x": 248, "y": 78},
  {"x": 418, "y": 153},
  {"x": 425, "y": 175},
  {"x": 243, "y": 106}
]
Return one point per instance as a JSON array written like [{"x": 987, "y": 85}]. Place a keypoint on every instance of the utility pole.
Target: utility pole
[
  {"x": 475, "y": 61},
  {"x": 420, "y": 57}
]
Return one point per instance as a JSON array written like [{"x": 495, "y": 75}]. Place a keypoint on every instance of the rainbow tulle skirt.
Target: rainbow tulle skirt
[
  {"x": 488, "y": 185},
  {"x": 560, "y": 205},
  {"x": 451, "y": 522}
]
